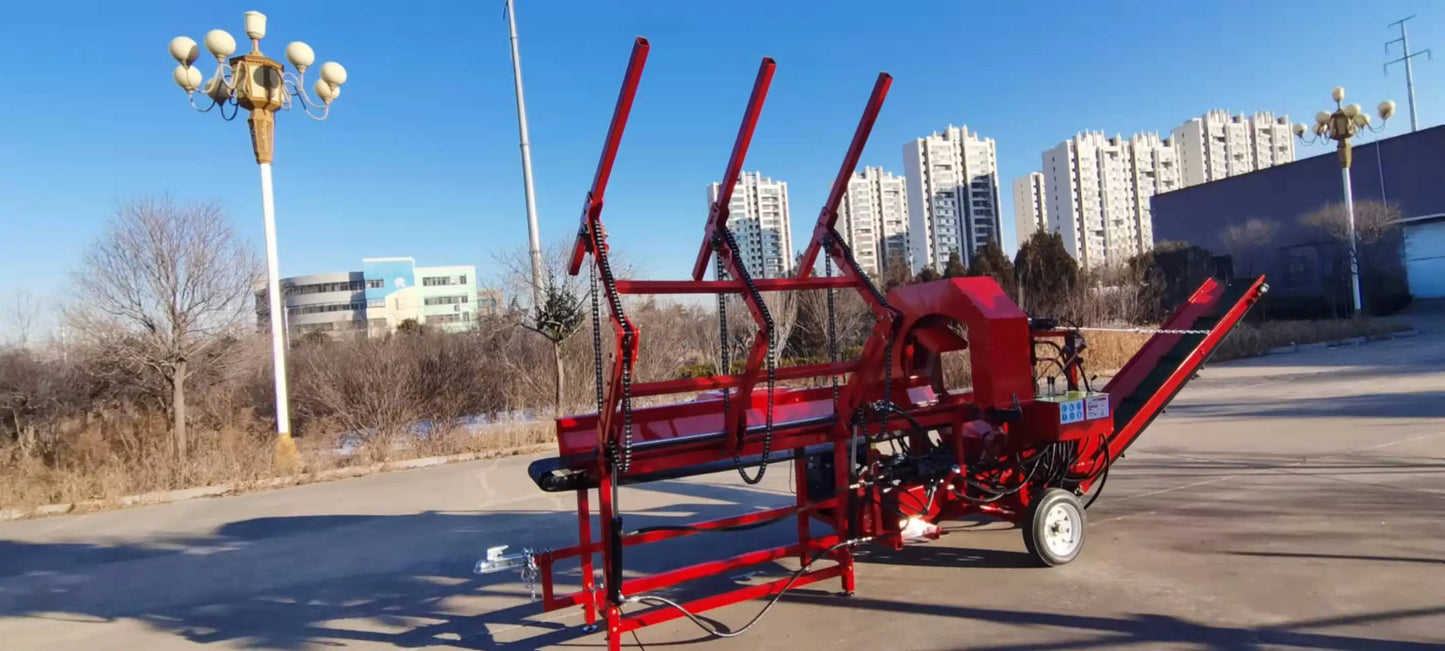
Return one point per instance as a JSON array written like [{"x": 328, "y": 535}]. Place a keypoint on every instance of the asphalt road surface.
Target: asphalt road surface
[{"x": 1283, "y": 502}]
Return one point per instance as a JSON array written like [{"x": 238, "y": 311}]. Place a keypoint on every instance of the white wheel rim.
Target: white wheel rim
[{"x": 1062, "y": 530}]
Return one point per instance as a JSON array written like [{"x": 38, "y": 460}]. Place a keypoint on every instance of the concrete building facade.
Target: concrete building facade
[
  {"x": 953, "y": 203},
  {"x": 1218, "y": 145},
  {"x": 1097, "y": 191},
  {"x": 1030, "y": 210},
  {"x": 873, "y": 218},
  {"x": 758, "y": 217},
  {"x": 377, "y": 299}
]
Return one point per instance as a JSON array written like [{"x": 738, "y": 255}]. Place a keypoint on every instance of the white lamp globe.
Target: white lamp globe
[
  {"x": 1322, "y": 117},
  {"x": 184, "y": 50},
  {"x": 220, "y": 43},
  {"x": 326, "y": 91},
  {"x": 332, "y": 73},
  {"x": 300, "y": 55},
  {"x": 1338, "y": 93},
  {"x": 1299, "y": 130},
  {"x": 1387, "y": 109},
  {"x": 1352, "y": 110},
  {"x": 187, "y": 77}
]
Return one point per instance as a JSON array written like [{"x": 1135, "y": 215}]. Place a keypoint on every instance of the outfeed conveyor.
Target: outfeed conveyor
[{"x": 881, "y": 457}]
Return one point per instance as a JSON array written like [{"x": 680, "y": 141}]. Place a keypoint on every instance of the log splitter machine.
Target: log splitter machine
[{"x": 884, "y": 453}]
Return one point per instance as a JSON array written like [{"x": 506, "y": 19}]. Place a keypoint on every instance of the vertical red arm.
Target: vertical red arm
[
  {"x": 828, "y": 216},
  {"x": 592, "y": 206},
  {"x": 718, "y": 213}
]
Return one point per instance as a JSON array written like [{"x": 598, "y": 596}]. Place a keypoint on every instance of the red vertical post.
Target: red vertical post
[
  {"x": 612, "y": 614},
  {"x": 584, "y": 533},
  {"x": 842, "y": 472}
]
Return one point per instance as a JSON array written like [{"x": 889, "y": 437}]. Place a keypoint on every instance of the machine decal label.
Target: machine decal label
[
  {"x": 1071, "y": 412},
  {"x": 1097, "y": 407}
]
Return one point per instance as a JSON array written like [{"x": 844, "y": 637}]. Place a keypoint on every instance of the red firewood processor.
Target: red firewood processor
[{"x": 881, "y": 456}]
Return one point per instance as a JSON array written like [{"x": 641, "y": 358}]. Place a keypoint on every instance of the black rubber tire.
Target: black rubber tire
[{"x": 1035, "y": 526}]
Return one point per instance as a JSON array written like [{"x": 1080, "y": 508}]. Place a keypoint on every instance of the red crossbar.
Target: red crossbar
[
  {"x": 718, "y": 382},
  {"x": 660, "y": 615},
  {"x": 730, "y": 286}
]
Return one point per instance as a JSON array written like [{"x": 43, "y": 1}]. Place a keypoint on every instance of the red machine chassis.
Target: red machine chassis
[{"x": 990, "y": 441}]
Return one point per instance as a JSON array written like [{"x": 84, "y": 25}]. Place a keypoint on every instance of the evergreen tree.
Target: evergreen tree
[
  {"x": 1046, "y": 273},
  {"x": 990, "y": 261}
]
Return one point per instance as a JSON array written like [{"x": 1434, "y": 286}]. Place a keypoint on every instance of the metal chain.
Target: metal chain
[
  {"x": 1151, "y": 331},
  {"x": 629, "y": 337},
  {"x": 596, "y": 337},
  {"x": 732, "y": 244},
  {"x": 725, "y": 352},
  {"x": 832, "y": 329},
  {"x": 835, "y": 239}
]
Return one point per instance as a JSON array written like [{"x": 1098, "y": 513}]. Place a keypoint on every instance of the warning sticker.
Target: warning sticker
[{"x": 1096, "y": 407}]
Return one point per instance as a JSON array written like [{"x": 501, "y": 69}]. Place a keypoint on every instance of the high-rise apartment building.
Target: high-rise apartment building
[
  {"x": 1098, "y": 191},
  {"x": 1030, "y": 211},
  {"x": 758, "y": 218},
  {"x": 953, "y": 206},
  {"x": 1219, "y": 145},
  {"x": 873, "y": 219}
]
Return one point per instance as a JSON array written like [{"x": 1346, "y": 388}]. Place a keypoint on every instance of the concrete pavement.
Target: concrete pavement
[{"x": 1283, "y": 502}]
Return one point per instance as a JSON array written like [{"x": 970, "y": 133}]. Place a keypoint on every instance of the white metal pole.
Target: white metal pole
[
  {"x": 1354, "y": 259},
  {"x": 534, "y": 241},
  {"x": 278, "y": 321}
]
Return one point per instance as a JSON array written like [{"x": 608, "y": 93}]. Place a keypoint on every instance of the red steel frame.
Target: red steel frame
[{"x": 904, "y": 348}]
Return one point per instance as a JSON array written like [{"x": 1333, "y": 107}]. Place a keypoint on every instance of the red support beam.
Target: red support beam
[
  {"x": 828, "y": 216},
  {"x": 592, "y": 207},
  {"x": 660, "y": 615},
  {"x": 718, "y": 214},
  {"x": 730, "y": 286},
  {"x": 716, "y": 382}
]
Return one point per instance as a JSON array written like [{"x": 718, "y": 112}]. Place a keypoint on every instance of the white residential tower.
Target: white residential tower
[
  {"x": 873, "y": 219},
  {"x": 952, "y": 196},
  {"x": 1098, "y": 191},
  {"x": 1219, "y": 145},
  {"x": 1030, "y": 211},
  {"x": 758, "y": 218}
]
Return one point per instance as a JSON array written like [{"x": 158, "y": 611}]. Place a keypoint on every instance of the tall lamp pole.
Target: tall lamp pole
[
  {"x": 1341, "y": 125},
  {"x": 261, "y": 86},
  {"x": 534, "y": 241}
]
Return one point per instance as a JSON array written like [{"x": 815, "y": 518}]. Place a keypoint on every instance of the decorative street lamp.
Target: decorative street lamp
[
  {"x": 1340, "y": 126},
  {"x": 261, "y": 86}
]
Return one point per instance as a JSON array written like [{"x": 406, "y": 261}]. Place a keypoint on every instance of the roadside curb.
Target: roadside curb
[
  {"x": 221, "y": 490},
  {"x": 1340, "y": 343}
]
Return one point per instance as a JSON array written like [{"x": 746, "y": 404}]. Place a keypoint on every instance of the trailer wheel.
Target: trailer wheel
[{"x": 1053, "y": 527}]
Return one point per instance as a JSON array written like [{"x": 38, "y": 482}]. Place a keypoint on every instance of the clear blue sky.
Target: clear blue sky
[{"x": 420, "y": 157}]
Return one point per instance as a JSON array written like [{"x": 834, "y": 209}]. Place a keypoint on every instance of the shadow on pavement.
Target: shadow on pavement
[{"x": 430, "y": 598}]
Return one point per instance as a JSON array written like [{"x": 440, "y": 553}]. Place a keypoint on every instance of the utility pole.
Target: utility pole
[
  {"x": 534, "y": 241},
  {"x": 1409, "y": 72}
]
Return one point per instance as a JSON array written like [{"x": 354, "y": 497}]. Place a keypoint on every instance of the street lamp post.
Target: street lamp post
[
  {"x": 261, "y": 86},
  {"x": 1341, "y": 125}
]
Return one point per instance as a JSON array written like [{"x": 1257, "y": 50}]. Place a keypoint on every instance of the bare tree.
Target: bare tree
[
  {"x": 1249, "y": 243},
  {"x": 1374, "y": 221},
  {"x": 160, "y": 288},
  {"x": 22, "y": 310}
]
